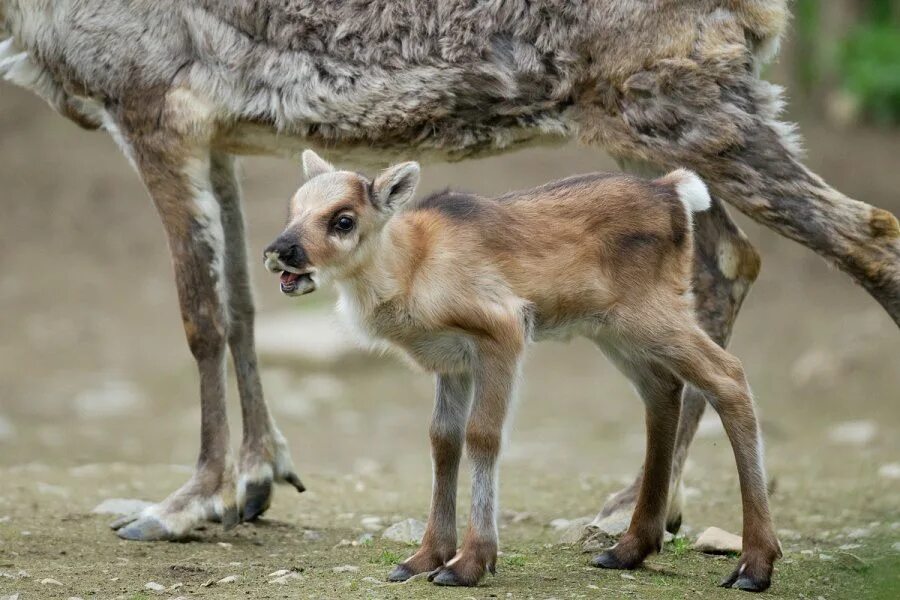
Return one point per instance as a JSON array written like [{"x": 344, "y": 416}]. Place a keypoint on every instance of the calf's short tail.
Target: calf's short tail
[{"x": 690, "y": 189}]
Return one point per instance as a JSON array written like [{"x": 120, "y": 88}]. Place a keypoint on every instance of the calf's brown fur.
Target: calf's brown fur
[{"x": 460, "y": 284}]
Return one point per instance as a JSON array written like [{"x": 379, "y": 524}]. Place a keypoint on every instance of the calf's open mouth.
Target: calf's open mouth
[{"x": 296, "y": 284}]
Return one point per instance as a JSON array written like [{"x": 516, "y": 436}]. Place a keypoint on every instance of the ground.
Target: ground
[{"x": 98, "y": 400}]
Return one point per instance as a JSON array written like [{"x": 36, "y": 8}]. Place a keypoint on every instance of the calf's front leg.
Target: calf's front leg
[
  {"x": 495, "y": 377},
  {"x": 452, "y": 399}
]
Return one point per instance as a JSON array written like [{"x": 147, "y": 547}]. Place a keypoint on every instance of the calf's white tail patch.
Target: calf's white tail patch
[{"x": 690, "y": 189}]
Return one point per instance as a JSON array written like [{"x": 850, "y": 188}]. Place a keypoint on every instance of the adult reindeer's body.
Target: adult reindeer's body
[{"x": 184, "y": 85}]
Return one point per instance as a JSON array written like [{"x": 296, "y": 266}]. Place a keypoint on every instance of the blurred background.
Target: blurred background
[{"x": 94, "y": 368}]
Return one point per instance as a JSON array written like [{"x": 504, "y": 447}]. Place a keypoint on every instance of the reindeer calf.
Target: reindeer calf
[{"x": 460, "y": 284}]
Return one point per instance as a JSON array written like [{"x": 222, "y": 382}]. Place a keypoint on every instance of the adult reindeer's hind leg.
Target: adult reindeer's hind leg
[
  {"x": 725, "y": 266},
  {"x": 709, "y": 111},
  {"x": 265, "y": 457}
]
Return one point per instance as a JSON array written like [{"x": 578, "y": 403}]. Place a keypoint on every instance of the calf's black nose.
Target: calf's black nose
[{"x": 289, "y": 252}]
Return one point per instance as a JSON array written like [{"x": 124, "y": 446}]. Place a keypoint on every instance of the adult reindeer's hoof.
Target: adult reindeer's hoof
[
  {"x": 750, "y": 576},
  {"x": 142, "y": 529},
  {"x": 208, "y": 496},
  {"x": 400, "y": 573}
]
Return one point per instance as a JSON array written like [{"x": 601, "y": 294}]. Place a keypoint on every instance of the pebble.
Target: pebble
[
  {"x": 49, "y": 581},
  {"x": 858, "y": 533},
  {"x": 825, "y": 557},
  {"x": 890, "y": 471},
  {"x": 601, "y": 532},
  {"x": 372, "y": 580},
  {"x": 718, "y": 541},
  {"x": 15, "y": 596},
  {"x": 279, "y": 573},
  {"x": 154, "y": 587},
  {"x": 896, "y": 547},
  {"x": 364, "y": 539},
  {"x": 346, "y": 569},
  {"x": 572, "y": 530},
  {"x": 120, "y": 506},
  {"x": 849, "y": 546},
  {"x": 286, "y": 578},
  {"x": 855, "y": 433},
  {"x": 312, "y": 535},
  {"x": 224, "y": 544},
  {"x": 371, "y": 523},
  {"x": 229, "y": 579},
  {"x": 628, "y": 576},
  {"x": 408, "y": 531}
]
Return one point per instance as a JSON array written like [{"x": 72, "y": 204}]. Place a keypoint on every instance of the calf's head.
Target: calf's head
[{"x": 331, "y": 219}]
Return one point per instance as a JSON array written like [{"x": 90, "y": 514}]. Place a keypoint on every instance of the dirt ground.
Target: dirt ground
[{"x": 98, "y": 400}]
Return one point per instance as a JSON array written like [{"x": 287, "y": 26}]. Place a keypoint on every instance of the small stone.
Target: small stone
[
  {"x": 825, "y": 557},
  {"x": 849, "y": 546},
  {"x": 286, "y": 578},
  {"x": 859, "y": 533},
  {"x": 895, "y": 547},
  {"x": 668, "y": 536},
  {"x": 371, "y": 523},
  {"x": 372, "y": 580},
  {"x": 573, "y": 530},
  {"x": 15, "y": 596},
  {"x": 364, "y": 539},
  {"x": 75, "y": 598},
  {"x": 229, "y": 579},
  {"x": 346, "y": 569},
  {"x": 854, "y": 433},
  {"x": 154, "y": 587},
  {"x": 5, "y": 519},
  {"x": 311, "y": 535},
  {"x": 49, "y": 581},
  {"x": 408, "y": 531},
  {"x": 279, "y": 573},
  {"x": 601, "y": 532},
  {"x": 120, "y": 506},
  {"x": 718, "y": 541},
  {"x": 224, "y": 545},
  {"x": 628, "y": 576},
  {"x": 890, "y": 471}
]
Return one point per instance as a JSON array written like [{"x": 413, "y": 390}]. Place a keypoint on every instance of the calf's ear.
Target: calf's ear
[
  {"x": 313, "y": 165},
  {"x": 395, "y": 186}
]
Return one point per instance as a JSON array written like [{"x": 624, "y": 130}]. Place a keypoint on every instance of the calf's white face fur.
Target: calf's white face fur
[{"x": 460, "y": 284}]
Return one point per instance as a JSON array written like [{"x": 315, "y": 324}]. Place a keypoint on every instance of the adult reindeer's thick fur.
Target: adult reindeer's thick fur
[
  {"x": 183, "y": 85},
  {"x": 460, "y": 284}
]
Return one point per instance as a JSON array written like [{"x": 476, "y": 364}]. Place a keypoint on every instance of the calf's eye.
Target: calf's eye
[{"x": 344, "y": 224}]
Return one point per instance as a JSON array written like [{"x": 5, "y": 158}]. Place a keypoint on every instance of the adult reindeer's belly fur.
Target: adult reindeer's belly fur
[{"x": 450, "y": 76}]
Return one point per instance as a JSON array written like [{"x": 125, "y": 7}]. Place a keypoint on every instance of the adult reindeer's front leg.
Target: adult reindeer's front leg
[
  {"x": 265, "y": 456},
  {"x": 495, "y": 376},
  {"x": 177, "y": 175},
  {"x": 453, "y": 396}
]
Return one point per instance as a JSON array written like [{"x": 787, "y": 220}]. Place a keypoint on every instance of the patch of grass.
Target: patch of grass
[
  {"x": 389, "y": 557},
  {"x": 680, "y": 546},
  {"x": 515, "y": 560}
]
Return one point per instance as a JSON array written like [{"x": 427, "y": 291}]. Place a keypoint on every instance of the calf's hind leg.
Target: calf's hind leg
[
  {"x": 265, "y": 457},
  {"x": 692, "y": 355},
  {"x": 661, "y": 392},
  {"x": 725, "y": 266}
]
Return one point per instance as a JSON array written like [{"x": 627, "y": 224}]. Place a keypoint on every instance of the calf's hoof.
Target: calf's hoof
[{"x": 750, "y": 576}]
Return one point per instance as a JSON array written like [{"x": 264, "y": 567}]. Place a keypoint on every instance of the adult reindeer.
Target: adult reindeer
[{"x": 185, "y": 85}]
